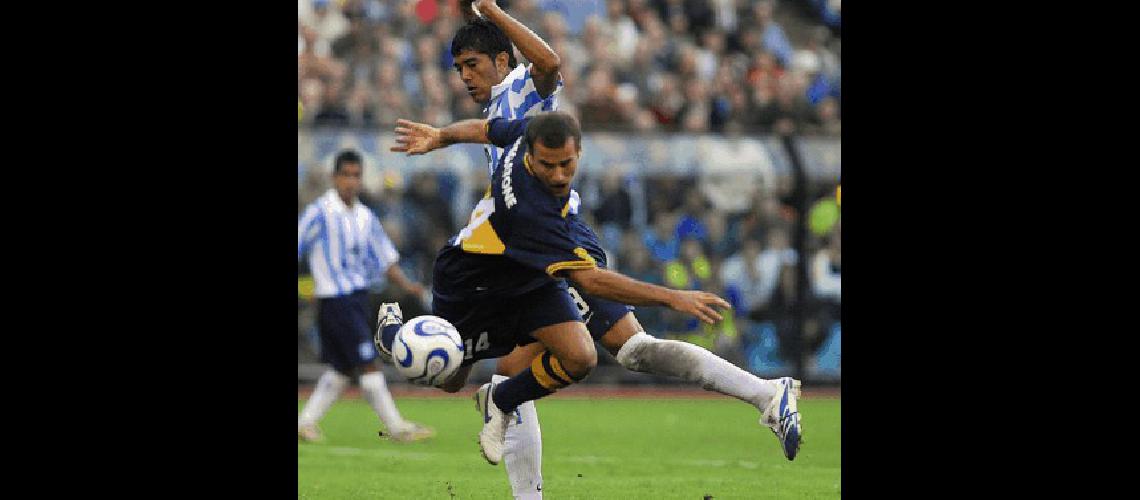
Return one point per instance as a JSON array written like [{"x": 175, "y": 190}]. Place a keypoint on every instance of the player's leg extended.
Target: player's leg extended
[
  {"x": 522, "y": 448},
  {"x": 641, "y": 352}
]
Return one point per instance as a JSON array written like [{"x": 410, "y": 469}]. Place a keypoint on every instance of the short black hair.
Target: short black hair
[
  {"x": 553, "y": 128},
  {"x": 482, "y": 36},
  {"x": 346, "y": 156}
]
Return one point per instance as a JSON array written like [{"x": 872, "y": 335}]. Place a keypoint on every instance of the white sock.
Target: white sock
[
  {"x": 522, "y": 451},
  {"x": 328, "y": 389},
  {"x": 693, "y": 363},
  {"x": 376, "y": 393}
]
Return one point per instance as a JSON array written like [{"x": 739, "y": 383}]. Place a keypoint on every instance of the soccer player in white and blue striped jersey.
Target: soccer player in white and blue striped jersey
[
  {"x": 348, "y": 251},
  {"x": 485, "y": 60}
]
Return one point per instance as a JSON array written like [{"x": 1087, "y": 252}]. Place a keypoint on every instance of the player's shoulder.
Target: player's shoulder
[{"x": 315, "y": 208}]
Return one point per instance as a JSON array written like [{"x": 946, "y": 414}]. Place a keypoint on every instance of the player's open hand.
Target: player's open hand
[
  {"x": 416, "y": 138},
  {"x": 699, "y": 304}
]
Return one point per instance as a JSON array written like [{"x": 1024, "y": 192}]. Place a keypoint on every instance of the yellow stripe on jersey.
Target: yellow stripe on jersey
[
  {"x": 587, "y": 262},
  {"x": 581, "y": 252},
  {"x": 526, "y": 163},
  {"x": 566, "y": 209},
  {"x": 484, "y": 240}
]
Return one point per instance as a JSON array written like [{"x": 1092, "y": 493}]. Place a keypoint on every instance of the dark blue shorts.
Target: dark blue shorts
[
  {"x": 346, "y": 337},
  {"x": 599, "y": 314},
  {"x": 491, "y": 328}
]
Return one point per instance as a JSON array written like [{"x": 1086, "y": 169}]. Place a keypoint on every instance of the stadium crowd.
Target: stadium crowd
[{"x": 640, "y": 65}]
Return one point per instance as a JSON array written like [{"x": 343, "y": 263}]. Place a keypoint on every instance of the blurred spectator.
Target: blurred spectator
[
  {"x": 691, "y": 269},
  {"x": 772, "y": 34},
  {"x": 689, "y": 225},
  {"x": 638, "y": 265},
  {"x": 325, "y": 19},
  {"x": 661, "y": 239},
  {"x": 621, "y": 31},
  {"x": 826, "y": 287},
  {"x": 751, "y": 277},
  {"x": 826, "y": 283},
  {"x": 333, "y": 111},
  {"x": 615, "y": 206}
]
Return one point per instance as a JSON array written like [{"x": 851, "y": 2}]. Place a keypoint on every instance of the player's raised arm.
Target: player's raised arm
[
  {"x": 467, "y": 10},
  {"x": 620, "y": 288},
  {"x": 419, "y": 138},
  {"x": 544, "y": 62}
]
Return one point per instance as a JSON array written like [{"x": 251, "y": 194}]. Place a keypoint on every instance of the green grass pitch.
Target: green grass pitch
[{"x": 592, "y": 449}]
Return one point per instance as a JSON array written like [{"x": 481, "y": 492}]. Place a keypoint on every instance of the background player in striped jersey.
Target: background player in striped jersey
[{"x": 347, "y": 251}]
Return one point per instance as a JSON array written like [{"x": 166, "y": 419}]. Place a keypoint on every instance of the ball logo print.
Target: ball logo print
[{"x": 427, "y": 350}]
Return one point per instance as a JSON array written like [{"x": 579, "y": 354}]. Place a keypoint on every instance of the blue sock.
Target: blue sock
[{"x": 511, "y": 393}]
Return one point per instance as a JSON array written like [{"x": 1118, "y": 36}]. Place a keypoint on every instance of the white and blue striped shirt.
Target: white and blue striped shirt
[
  {"x": 348, "y": 249},
  {"x": 516, "y": 97}
]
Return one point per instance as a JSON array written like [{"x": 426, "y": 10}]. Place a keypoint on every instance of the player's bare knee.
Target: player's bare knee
[
  {"x": 620, "y": 333},
  {"x": 580, "y": 363}
]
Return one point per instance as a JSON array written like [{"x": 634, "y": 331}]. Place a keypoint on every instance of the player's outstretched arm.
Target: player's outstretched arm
[
  {"x": 620, "y": 288},
  {"x": 396, "y": 275},
  {"x": 419, "y": 138},
  {"x": 544, "y": 62}
]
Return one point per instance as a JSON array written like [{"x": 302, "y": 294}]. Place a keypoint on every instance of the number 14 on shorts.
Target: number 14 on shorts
[{"x": 481, "y": 345}]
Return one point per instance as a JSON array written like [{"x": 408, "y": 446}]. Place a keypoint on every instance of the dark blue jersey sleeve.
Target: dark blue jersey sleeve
[{"x": 502, "y": 132}]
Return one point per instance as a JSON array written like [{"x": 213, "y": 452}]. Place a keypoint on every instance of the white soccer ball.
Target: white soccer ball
[{"x": 427, "y": 350}]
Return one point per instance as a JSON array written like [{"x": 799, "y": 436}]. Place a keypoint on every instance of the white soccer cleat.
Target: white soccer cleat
[
  {"x": 412, "y": 433},
  {"x": 389, "y": 315},
  {"x": 783, "y": 416},
  {"x": 495, "y": 421},
  {"x": 309, "y": 433}
]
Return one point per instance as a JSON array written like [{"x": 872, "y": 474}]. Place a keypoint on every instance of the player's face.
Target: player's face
[
  {"x": 347, "y": 181},
  {"x": 555, "y": 167},
  {"x": 479, "y": 73}
]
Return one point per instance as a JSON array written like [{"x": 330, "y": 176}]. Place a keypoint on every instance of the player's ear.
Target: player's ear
[{"x": 501, "y": 62}]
